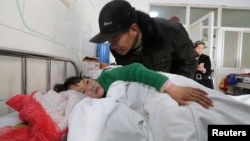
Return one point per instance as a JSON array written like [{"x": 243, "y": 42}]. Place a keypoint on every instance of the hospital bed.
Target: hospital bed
[
  {"x": 121, "y": 116},
  {"x": 18, "y": 65}
]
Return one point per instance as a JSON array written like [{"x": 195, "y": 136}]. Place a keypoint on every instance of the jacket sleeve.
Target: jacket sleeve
[{"x": 184, "y": 56}]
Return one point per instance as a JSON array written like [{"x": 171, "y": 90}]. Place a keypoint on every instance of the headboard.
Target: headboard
[{"x": 24, "y": 71}]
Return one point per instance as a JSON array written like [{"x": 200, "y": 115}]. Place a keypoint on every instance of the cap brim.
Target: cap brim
[{"x": 100, "y": 38}]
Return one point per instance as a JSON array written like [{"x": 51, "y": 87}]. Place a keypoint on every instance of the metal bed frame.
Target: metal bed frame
[{"x": 24, "y": 55}]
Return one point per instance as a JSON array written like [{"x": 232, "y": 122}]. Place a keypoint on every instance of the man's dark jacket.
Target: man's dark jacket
[{"x": 165, "y": 47}]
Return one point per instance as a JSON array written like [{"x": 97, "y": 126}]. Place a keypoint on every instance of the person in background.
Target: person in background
[
  {"x": 135, "y": 72},
  {"x": 203, "y": 73},
  {"x": 157, "y": 43}
]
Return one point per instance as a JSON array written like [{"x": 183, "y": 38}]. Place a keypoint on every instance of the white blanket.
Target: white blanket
[{"x": 136, "y": 112}]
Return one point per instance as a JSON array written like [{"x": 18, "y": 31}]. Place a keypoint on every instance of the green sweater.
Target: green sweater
[{"x": 135, "y": 72}]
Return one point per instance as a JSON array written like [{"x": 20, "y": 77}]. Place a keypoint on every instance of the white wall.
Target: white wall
[{"x": 51, "y": 27}]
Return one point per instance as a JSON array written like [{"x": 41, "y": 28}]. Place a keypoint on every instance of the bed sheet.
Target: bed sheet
[
  {"x": 10, "y": 119},
  {"x": 242, "y": 98},
  {"x": 136, "y": 112}
]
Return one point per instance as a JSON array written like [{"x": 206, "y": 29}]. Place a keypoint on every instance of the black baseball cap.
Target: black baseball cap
[{"x": 115, "y": 17}]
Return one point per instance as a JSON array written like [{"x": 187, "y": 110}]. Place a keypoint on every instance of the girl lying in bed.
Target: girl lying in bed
[
  {"x": 137, "y": 73},
  {"x": 137, "y": 112},
  {"x": 47, "y": 114}
]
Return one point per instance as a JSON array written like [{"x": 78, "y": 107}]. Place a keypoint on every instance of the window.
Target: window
[
  {"x": 245, "y": 51},
  {"x": 197, "y": 13},
  {"x": 169, "y": 11},
  {"x": 231, "y": 18},
  {"x": 230, "y": 49}
]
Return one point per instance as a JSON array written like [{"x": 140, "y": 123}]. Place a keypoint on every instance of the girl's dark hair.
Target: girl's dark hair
[{"x": 65, "y": 86}]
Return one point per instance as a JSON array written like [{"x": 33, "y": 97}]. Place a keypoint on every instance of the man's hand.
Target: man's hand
[{"x": 184, "y": 94}]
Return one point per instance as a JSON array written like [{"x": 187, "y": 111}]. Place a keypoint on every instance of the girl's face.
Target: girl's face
[{"x": 91, "y": 88}]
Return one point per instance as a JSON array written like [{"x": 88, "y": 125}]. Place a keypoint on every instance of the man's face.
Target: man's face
[{"x": 124, "y": 42}]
